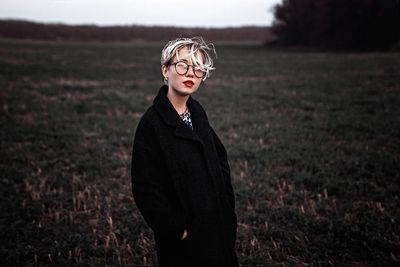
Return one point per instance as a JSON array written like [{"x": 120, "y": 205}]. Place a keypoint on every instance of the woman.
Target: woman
[{"x": 180, "y": 174}]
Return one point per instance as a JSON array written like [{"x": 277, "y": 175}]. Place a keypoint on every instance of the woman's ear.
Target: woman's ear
[{"x": 164, "y": 71}]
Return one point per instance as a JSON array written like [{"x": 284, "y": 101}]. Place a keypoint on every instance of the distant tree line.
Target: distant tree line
[
  {"x": 61, "y": 32},
  {"x": 343, "y": 24}
]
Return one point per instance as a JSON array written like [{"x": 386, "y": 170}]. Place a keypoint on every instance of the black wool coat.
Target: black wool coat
[{"x": 181, "y": 180}]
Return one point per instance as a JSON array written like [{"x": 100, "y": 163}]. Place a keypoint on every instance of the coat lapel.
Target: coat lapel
[{"x": 167, "y": 112}]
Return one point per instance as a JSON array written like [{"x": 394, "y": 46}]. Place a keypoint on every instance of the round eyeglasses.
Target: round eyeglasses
[{"x": 182, "y": 68}]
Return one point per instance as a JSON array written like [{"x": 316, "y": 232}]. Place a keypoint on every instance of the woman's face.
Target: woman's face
[{"x": 185, "y": 84}]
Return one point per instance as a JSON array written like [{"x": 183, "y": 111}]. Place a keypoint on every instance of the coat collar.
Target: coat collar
[{"x": 169, "y": 115}]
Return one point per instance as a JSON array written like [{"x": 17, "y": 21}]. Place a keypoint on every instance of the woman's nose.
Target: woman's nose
[{"x": 190, "y": 71}]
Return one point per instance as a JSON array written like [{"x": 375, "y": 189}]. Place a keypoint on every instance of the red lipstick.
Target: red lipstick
[{"x": 188, "y": 83}]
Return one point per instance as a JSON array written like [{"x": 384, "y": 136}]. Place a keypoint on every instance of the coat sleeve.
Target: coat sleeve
[
  {"x": 223, "y": 159},
  {"x": 147, "y": 171}
]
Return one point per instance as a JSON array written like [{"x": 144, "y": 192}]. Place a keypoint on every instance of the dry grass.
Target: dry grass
[{"x": 312, "y": 138}]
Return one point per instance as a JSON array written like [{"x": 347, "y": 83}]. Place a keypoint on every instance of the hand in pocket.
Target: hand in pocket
[{"x": 185, "y": 233}]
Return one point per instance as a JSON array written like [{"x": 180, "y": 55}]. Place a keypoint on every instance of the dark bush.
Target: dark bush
[{"x": 340, "y": 24}]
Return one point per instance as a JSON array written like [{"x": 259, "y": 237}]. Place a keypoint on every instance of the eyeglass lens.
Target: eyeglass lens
[{"x": 182, "y": 68}]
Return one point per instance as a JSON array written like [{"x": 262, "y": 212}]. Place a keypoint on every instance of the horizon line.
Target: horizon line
[{"x": 133, "y": 24}]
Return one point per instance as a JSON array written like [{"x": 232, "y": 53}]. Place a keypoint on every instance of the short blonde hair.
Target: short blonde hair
[{"x": 193, "y": 45}]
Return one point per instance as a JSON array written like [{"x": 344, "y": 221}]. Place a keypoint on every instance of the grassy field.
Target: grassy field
[{"x": 313, "y": 140}]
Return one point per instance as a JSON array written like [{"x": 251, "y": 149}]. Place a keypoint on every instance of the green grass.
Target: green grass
[{"x": 313, "y": 140}]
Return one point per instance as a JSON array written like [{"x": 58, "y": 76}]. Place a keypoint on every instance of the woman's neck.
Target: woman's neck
[{"x": 178, "y": 101}]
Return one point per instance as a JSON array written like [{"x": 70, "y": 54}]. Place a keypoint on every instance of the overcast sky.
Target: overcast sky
[{"x": 205, "y": 13}]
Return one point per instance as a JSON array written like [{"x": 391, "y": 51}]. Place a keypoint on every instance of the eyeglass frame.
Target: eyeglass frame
[{"x": 187, "y": 70}]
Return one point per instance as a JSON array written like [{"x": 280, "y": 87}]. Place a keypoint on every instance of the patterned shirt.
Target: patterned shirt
[{"x": 186, "y": 118}]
